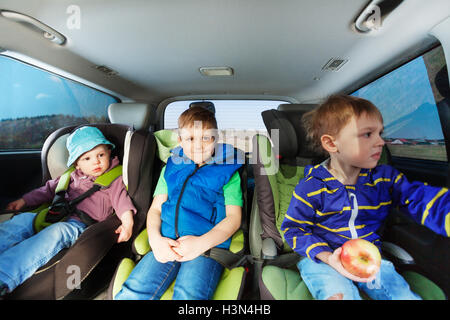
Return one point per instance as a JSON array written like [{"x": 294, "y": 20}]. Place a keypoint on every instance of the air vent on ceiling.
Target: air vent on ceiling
[
  {"x": 334, "y": 64},
  {"x": 106, "y": 70}
]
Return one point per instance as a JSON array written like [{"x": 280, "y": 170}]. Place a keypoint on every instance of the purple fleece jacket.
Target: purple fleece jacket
[{"x": 98, "y": 206}]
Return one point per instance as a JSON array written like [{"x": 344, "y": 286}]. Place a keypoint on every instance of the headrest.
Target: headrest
[
  {"x": 166, "y": 140},
  {"x": 208, "y": 105},
  {"x": 292, "y": 142},
  {"x": 137, "y": 115},
  {"x": 286, "y": 141}
]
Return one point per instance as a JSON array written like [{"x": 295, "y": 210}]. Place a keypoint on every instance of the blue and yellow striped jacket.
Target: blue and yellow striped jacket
[{"x": 324, "y": 213}]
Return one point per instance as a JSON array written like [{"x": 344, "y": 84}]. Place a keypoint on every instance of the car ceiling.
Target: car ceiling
[{"x": 276, "y": 48}]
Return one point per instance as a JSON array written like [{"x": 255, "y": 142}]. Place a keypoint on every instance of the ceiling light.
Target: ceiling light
[
  {"x": 216, "y": 71},
  {"x": 48, "y": 32}
]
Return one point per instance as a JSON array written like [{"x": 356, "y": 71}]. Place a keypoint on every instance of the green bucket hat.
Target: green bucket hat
[{"x": 83, "y": 140}]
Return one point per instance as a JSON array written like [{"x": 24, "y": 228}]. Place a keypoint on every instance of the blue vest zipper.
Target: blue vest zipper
[{"x": 177, "y": 208}]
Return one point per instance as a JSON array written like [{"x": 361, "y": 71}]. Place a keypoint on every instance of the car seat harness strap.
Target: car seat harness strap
[{"x": 61, "y": 209}]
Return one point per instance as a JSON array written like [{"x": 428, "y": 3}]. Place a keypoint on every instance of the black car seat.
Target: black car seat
[
  {"x": 232, "y": 283},
  {"x": 278, "y": 166},
  {"x": 96, "y": 250}
]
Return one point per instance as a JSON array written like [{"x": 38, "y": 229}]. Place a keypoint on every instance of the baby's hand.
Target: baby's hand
[
  {"x": 125, "y": 232},
  {"x": 335, "y": 261},
  {"x": 189, "y": 248},
  {"x": 16, "y": 205}
]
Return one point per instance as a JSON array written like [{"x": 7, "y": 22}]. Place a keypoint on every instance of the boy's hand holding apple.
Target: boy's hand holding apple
[{"x": 357, "y": 259}]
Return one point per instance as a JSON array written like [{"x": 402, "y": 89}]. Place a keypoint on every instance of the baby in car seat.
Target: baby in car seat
[{"x": 23, "y": 251}]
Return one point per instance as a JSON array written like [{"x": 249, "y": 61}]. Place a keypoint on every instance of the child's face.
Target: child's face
[
  {"x": 94, "y": 162},
  {"x": 359, "y": 143},
  {"x": 197, "y": 142}
]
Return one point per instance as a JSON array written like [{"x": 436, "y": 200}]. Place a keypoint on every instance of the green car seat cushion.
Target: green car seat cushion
[
  {"x": 141, "y": 246},
  {"x": 287, "y": 178},
  {"x": 126, "y": 265},
  {"x": 230, "y": 284},
  {"x": 228, "y": 288},
  {"x": 284, "y": 284},
  {"x": 424, "y": 287}
]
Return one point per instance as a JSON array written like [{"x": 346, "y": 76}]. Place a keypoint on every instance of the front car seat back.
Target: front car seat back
[{"x": 136, "y": 151}]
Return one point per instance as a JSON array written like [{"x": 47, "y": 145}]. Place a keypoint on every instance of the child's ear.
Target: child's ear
[{"x": 328, "y": 144}]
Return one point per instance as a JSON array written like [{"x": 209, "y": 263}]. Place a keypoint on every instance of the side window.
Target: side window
[
  {"x": 238, "y": 120},
  {"x": 34, "y": 103},
  {"x": 407, "y": 98}
]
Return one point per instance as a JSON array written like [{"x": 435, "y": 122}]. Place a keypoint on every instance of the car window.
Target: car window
[
  {"x": 407, "y": 98},
  {"x": 238, "y": 120},
  {"x": 34, "y": 103}
]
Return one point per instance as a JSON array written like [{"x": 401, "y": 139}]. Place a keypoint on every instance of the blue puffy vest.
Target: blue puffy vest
[{"x": 195, "y": 201}]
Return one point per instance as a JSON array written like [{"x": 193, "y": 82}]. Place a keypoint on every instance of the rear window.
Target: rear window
[
  {"x": 238, "y": 120},
  {"x": 408, "y": 98},
  {"x": 34, "y": 103}
]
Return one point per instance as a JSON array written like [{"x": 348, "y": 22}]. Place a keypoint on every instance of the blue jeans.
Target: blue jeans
[
  {"x": 324, "y": 282},
  {"x": 22, "y": 251},
  {"x": 196, "y": 279}
]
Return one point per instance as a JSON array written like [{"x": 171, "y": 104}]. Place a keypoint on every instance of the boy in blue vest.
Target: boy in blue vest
[
  {"x": 196, "y": 206},
  {"x": 349, "y": 196}
]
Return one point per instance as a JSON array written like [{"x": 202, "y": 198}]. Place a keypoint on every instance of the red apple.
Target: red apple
[{"x": 361, "y": 258}]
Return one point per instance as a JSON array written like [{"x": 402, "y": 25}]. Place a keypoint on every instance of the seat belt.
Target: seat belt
[
  {"x": 227, "y": 258},
  {"x": 60, "y": 209},
  {"x": 51, "y": 214},
  {"x": 284, "y": 260}
]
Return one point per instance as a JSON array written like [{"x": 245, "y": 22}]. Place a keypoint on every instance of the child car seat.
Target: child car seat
[
  {"x": 136, "y": 150},
  {"x": 277, "y": 171},
  {"x": 232, "y": 281}
]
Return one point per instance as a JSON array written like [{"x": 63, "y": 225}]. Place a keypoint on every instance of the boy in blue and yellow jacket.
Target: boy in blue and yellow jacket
[{"x": 349, "y": 196}]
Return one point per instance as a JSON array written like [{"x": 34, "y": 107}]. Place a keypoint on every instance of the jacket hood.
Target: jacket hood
[{"x": 320, "y": 172}]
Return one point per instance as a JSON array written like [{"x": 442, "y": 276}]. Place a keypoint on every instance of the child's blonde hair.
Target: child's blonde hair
[
  {"x": 332, "y": 115},
  {"x": 188, "y": 117}
]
